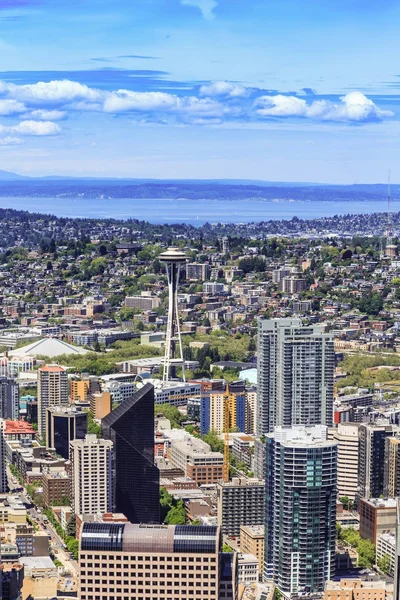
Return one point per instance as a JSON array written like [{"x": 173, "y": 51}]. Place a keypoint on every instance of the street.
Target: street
[{"x": 56, "y": 543}]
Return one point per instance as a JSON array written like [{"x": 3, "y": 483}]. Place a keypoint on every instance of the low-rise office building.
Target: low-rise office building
[
  {"x": 196, "y": 460},
  {"x": 377, "y": 515}
]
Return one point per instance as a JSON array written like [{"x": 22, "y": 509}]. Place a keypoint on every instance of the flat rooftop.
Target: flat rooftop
[{"x": 381, "y": 502}]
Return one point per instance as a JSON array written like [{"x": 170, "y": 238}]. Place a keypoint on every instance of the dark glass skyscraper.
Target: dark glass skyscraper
[
  {"x": 63, "y": 425},
  {"x": 136, "y": 479}
]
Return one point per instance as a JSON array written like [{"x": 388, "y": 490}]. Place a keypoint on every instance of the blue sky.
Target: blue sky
[{"x": 280, "y": 90}]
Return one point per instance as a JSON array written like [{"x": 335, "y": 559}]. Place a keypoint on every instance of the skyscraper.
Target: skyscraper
[
  {"x": 130, "y": 427},
  {"x": 52, "y": 391},
  {"x": 300, "y": 509},
  {"x": 295, "y": 375},
  {"x": 91, "y": 461},
  {"x": 9, "y": 398},
  {"x": 64, "y": 424}
]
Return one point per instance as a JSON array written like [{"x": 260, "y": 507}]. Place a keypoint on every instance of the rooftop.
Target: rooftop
[
  {"x": 18, "y": 427},
  {"x": 37, "y": 562},
  {"x": 242, "y": 482},
  {"x": 51, "y": 369},
  {"x": 48, "y": 347},
  {"x": 354, "y": 583},
  {"x": 381, "y": 502},
  {"x": 253, "y": 530}
]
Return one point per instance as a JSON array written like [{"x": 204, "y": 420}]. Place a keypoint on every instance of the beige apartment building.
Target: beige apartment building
[
  {"x": 123, "y": 561},
  {"x": 346, "y": 436},
  {"x": 252, "y": 542},
  {"x": 91, "y": 475},
  {"x": 100, "y": 404}
]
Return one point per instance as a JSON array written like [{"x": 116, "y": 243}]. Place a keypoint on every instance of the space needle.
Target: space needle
[{"x": 173, "y": 259}]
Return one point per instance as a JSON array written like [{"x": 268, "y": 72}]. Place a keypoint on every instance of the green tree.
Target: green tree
[
  {"x": 216, "y": 444},
  {"x": 345, "y": 501},
  {"x": 366, "y": 553},
  {"x": 93, "y": 427},
  {"x": 176, "y": 514},
  {"x": 71, "y": 526},
  {"x": 171, "y": 413},
  {"x": 385, "y": 564}
]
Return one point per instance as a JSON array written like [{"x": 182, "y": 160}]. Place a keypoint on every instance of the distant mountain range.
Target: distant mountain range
[{"x": 12, "y": 184}]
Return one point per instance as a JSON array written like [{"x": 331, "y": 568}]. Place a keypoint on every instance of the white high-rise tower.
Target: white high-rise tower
[{"x": 173, "y": 259}]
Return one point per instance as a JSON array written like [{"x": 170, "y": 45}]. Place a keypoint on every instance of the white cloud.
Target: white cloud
[
  {"x": 354, "y": 107},
  {"x": 206, "y": 6},
  {"x": 11, "y": 107},
  {"x": 127, "y": 101},
  {"x": 223, "y": 88},
  {"x": 48, "y": 115},
  {"x": 44, "y": 103},
  {"x": 10, "y": 141},
  {"x": 39, "y": 128},
  {"x": 50, "y": 92}
]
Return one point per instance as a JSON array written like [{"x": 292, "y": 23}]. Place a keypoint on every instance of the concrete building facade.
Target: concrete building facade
[
  {"x": 91, "y": 470},
  {"x": 295, "y": 375},
  {"x": 240, "y": 502},
  {"x": 52, "y": 391},
  {"x": 157, "y": 562}
]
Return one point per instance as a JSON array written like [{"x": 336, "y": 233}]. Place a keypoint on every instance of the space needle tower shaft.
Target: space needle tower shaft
[{"x": 173, "y": 259}]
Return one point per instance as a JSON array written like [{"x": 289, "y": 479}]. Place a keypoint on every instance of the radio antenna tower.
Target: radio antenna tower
[
  {"x": 389, "y": 221},
  {"x": 391, "y": 249},
  {"x": 173, "y": 259}
]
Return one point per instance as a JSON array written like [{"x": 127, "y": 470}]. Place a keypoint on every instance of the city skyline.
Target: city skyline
[{"x": 200, "y": 89}]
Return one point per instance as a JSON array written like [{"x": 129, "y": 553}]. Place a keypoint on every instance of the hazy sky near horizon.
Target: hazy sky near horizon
[{"x": 280, "y": 90}]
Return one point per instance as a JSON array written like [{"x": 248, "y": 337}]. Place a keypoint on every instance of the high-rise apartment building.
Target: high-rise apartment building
[
  {"x": 391, "y": 475},
  {"x": 198, "y": 271},
  {"x": 3, "y": 472},
  {"x": 9, "y": 398},
  {"x": 52, "y": 391},
  {"x": 300, "y": 509},
  {"x": 396, "y": 590},
  {"x": 91, "y": 470},
  {"x": 64, "y": 424},
  {"x": 240, "y": 502},
  {"x": 122, "y": 561},
  {"x": 346, "y": 436},
  {"x": 223, "y": 411},
  {"x": 296, "y": 365},
  {"x": 136, "y": 479},
  {"x": 251, "y": 410},
  {"x": 371, "y": 460}
]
